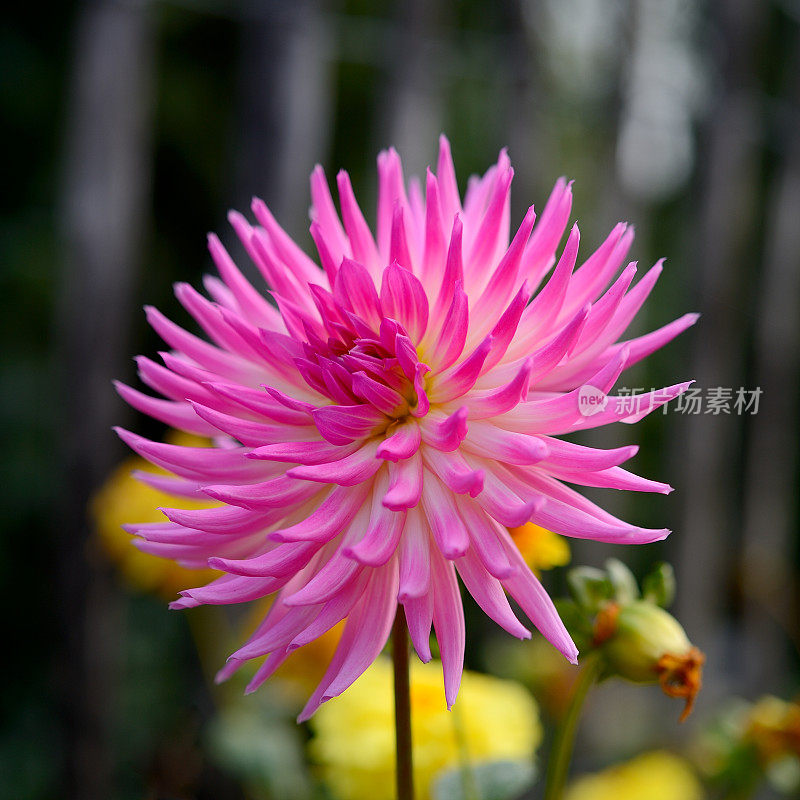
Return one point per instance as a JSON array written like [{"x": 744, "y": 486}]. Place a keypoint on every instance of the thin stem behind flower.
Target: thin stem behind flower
[
  {"x": 561, "y": 753},
  {"x": 402, "y": 708}
]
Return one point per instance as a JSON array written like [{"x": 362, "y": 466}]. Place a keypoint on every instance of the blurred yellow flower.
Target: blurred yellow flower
[
  {"x": 773, "y": 726},
  {"x": 657, "y": 775},
  {"x": 541, "y": 548},
  {"x": 123, "y": 499},
  {"x": 354, "y": 734}
]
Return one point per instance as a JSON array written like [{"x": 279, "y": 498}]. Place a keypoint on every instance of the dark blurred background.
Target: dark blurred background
[{"x": 130, "y": 127}]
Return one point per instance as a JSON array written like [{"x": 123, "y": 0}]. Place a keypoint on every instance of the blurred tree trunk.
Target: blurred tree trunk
[
  {"x": 725, "y": 234},
  {"x": 770, "y": 491},
  {"x": 103, "y": 202},
  {"x": 525, "y": 106},
  {"x": 412, "y": 106},
  {"x": 285, "y": 102}
]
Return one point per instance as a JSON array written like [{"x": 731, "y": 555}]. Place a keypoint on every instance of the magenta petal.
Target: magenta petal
[
  {"x": 445, "y": 433},
  {"x": 435, "y": 246},
  {"x": 344, "y": 424},
  {"x": 280, "y": 561},
  {"x": 405, "y": 484},
  {"x": 489, "y": 595},
  {"x": 206, "y": 355},
  {"x": 448, "y": 622},
  {"x": 252, "y": 304},
  {"x": 169, "y": 485},
  {"x": 326, "y": 218},
  {"x": 226, "y": 520},
  {"x": 377, "y": 394},
  {"x": 348, "y": 471},
  {"x": 548, "y": 232},
  {"x": 419, "y": 617},
  {"x": 404, "y": 441},
  {"x": 494, "y": 402},
  {"x": 364, "y": 636},
  {"x": 295, "y": 261},
  {"x": 458, "y": 380},
  {"x": 545, "y": 307},
  {"x": 361, "y": 241},
  {"x": 355, "y": 291},
  {"x": 333, "y": 612},
  {"x": 485, "y": 539},
  {"x": 642, "y": 346},
  {"x": 336, "y": 574},
  {"x": 399, "y": 251},
  {"x": 383, "y": 532},
  {"x": 525, "y": 588},
  {"x": 414, "y": 557},
  {"x": 276, "y": 493},
  {"x": 453, "y": 276},
  {"x": 489, "y": 441},
  {"x": 445, "y": 171},
  {"x": 195, "y": 463},
  {"x": 454, "y": 472},
  {"x": 440, "y": 510},
  {"x": 403, "y": 298},
  {"x": 333, "y": 514},
  {"x": 302, "y": 452},
  {"x": 450, "y": 344},
  {"x": 178, "y": 415},
  {"x": 503, "y": 283}
]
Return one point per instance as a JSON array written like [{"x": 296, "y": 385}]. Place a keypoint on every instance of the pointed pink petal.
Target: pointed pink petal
[
  {"x": 419, "y": 617},
  {"x": 414, "y": 557},
  {"x": 348, "y": 471},
  {"x": 332, "y": 516},
  {"x": 488, "y": 594},
  {"x": 449, "y": 346},
  {"x": 525, "y": 588},
  {"x": 403, "y": 442},
  {"x": 405, "y": 484},
  {"x": 448, "y": 622},
  {"x": 344, "y": 424},
  {"x": 457, "y": 380},
  {"x": 363, "y": 245},
  {"x": 403, "y": 298},
  {"x": 383, "y": 531},
  {"x": 446, "y": 174},
  {"x": 440, "y": 510}
]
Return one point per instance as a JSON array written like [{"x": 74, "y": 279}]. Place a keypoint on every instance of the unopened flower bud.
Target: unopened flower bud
[{"x": 642, "y": 642}]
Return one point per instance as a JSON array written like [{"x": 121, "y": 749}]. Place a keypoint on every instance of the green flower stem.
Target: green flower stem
[
  {"x": 402, "y": 708},
  {"x": 561, "y": 753}
]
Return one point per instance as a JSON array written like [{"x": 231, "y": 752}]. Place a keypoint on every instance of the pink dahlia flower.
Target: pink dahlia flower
[{"x": 378, "y": 432}]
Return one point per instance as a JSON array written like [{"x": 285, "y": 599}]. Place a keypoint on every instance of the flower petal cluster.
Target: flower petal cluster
[{"x": 393, "y": 413}]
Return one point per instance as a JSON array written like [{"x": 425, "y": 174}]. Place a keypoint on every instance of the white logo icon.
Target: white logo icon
[{"x": 591, "y": 400}]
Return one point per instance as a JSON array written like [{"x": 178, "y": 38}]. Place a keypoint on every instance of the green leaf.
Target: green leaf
[
  {"x": 493, "y": 780},
  {"x": 622, "y": 580},
  {"x": 659, "y": 586},
  {"x": 589, "y": 587}
]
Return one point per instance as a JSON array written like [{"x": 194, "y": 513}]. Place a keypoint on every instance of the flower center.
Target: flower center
[{"x": 360, "y": 365}]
